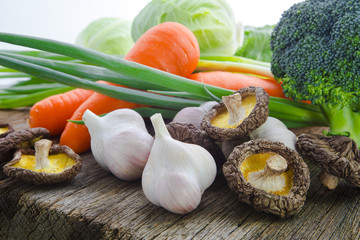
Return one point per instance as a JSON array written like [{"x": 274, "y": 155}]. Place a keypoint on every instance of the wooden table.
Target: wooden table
[{"x": 97, "y": 205}]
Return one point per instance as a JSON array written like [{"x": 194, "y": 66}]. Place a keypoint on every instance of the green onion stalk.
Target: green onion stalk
[
  {"x": 63, "y": 63},
  {"x": 235, "y": 64}
]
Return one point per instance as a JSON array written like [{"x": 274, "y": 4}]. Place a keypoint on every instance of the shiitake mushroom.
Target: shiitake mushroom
[
  {"x": 20, "y": 139},
  {"x": 5, "y": 129},
  {"x": 338, "y": 157},
  {"x": 237, "y": 115},
  {"x": 268, "y": 176},
  {"x": 46, "y": 164}
]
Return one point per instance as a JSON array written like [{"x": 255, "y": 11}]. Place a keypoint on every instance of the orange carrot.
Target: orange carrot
[
  {"x": 169, "y": 46},
  {"x": 235, "y": 81},
  {"x": 52, "y": 112}
]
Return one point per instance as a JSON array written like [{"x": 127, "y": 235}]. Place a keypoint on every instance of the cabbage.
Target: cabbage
[
  {"x": 212, "y": 22},
  {"x": 107, "y": 35},
  {"x": 256, "y": 43}
]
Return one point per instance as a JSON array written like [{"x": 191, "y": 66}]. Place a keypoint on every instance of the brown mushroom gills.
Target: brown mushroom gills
[
  {"x": 271, "y": 176},
  {"x": 43, "y": 162},
  {"x": 242, "y": 109}
]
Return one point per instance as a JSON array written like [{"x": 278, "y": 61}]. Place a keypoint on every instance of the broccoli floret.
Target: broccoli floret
[{"x": 316, "y": 56}]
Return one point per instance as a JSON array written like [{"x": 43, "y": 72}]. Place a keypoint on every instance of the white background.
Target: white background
[{"x": 63, "y": 19}]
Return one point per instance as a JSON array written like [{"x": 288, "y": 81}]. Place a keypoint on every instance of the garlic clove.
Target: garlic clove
[
  {"x": 120, "y": 142},
  {"x": 275, "y": 130},
  {"x": 206, "y": 106},
  {"x": 132, "y": 151},
  {"x": 175, "y": 170},
  {"x": 190, "y": 115},
  {"x": 177, "y": 192},
  {"x": 194, "y": 115}
]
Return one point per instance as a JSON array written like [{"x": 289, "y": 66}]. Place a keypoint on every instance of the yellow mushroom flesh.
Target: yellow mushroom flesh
[
  {"x": 237, "y": 109},
  {"x": 269, "y": 172},
  {"x": 43, "y": 162},
  {"x": 4, "y": 130}
]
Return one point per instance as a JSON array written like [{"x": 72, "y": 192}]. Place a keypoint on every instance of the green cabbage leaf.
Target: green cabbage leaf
[
  {"x": 108, "y": 35},
  {"x": 212, "y": 22}
]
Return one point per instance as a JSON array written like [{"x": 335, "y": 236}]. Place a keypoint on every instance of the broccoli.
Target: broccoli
[{"x": 316, "y": 56}]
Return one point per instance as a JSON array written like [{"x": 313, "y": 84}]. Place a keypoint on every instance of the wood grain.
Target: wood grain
[{"x": 97, "y": 205}]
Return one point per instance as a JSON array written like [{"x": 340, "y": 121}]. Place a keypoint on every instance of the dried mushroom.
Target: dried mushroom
[
  {"x": 5, "y": 129},
  {"x": 188, "y": 133},
  {"x": 47, "y": 164},
  {"x": 19, "y": 140},
  {"x": 237, "y": 115},
  {"x": 337, "y": 156},
  {"x": 269, "y": 176}
]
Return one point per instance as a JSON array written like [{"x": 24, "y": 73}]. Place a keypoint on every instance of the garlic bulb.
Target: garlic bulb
[
  {"x": 275, "y": 130},
  {"x": 176, "y": 173},
  {"x": 193, "y": 115},
  {"x": 120, "y": 142}
]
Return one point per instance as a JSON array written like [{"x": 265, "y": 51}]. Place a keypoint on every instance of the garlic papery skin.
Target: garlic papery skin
[
  {"x": 194, "y": 115},
  {"x": 120, "y": 142},
  {"x": 176, "y": 173},
  {"x": 275, "y": 130}
]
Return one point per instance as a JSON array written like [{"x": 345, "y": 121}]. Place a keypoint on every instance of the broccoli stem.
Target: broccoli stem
[{"x": 342, "y": 120}]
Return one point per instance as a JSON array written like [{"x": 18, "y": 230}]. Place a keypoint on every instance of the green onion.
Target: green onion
[
  {"x": 32, "y": 88},
  {"x": 185, "y": 92},
  {"x": 180, "y": 94},
  {"x": 87, "y": 71},
  {"x": 13, "y": 75},
  {"x": 128, "y": 68},
  {"x": 248, "y": 68},
  {"x": 126, "y": 94},
  {"x": 40, "y": 54},
  {"x": 30, "y": 99},
  {"x": 237, "y": 59}
]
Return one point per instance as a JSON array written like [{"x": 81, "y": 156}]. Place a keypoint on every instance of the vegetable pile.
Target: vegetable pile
[{"x": 227, "y": 112}]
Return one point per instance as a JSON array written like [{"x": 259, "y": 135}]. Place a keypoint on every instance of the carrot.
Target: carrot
[
  {"x": 235, "y": 81},
  {"x": 52, "y": 112},
  {"x": 169, "y": 46}
]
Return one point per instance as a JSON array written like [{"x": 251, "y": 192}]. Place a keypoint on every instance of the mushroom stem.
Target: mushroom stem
[
  {"x": 233, "y": 104},
  {"x": 275, "y": 165},
  {"x": 42, "y": 148},
  {"x": 328, "y": 180}
]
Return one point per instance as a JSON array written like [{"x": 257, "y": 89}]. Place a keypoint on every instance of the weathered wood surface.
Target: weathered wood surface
[{"x": 96, "y": 205}]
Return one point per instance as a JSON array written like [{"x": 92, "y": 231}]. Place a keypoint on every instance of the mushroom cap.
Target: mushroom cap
[
  {"x": 10, "y": 129},
  {"x": 255, "y": 119},
  {"x": 43, "y": 178},
  {"x": 19, "y": 140},
  {"x": 283, "y": 205},
  {"x": 335, "y": 155},
  {"x": 188, "y": 133}
]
